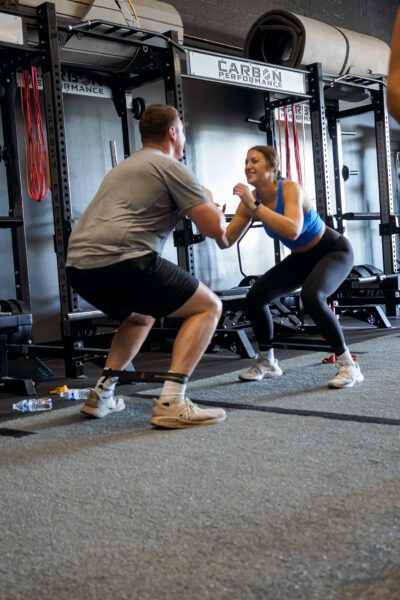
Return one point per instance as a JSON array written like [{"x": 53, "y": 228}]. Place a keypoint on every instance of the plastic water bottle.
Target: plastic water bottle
[
  {"x": 33, "y": 405},
  {"x": 77, "y": 394}
]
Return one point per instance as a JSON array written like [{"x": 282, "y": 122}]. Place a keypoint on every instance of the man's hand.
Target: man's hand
[{"x": 208, "y": 193}]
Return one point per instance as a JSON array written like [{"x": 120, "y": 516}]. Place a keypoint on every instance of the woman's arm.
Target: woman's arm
[
  {"x": 238, "y": 225},
  {"x": 393, "y": 83},
  {"x": 288, "y": 225}
]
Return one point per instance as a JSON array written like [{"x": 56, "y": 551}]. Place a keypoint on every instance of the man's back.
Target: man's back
[{"x": 135, "y": 208}]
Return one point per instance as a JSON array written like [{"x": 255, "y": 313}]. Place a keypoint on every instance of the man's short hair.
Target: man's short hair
[{"x": 156, "y": 120}]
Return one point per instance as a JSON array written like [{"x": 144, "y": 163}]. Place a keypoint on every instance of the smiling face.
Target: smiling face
[{"x": 258, "y": 169}]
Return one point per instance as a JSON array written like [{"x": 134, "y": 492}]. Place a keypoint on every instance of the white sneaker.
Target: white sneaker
[
  {"x": 259, "y": 370},
  {"x": 347, "y": 376},
  {"x": 178, "y": 415},
  {"x": 101, "y": 406}
]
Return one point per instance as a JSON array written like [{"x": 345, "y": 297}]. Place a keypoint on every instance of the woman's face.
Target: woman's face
[{"x": 257, "y": 168}]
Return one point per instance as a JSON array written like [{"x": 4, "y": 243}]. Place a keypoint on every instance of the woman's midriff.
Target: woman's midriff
[{"x": 311, "y": 243}]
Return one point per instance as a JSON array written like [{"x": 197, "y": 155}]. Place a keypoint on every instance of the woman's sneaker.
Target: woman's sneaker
[
  {"x": 101, "y": 406},
  {"x": 184, "y": 413},
  {"x": 260, "y": 370},
  {"x": 347, "y": 376}
]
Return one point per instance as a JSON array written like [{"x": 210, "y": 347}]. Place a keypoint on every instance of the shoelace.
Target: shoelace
[
  {"x": 257, "y": 367},
  {"x": 189, "y": 408},
  {"x": 345, "y": 370}
]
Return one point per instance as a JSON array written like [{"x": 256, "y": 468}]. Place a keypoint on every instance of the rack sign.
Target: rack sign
[{"x": 245, "y": 73}]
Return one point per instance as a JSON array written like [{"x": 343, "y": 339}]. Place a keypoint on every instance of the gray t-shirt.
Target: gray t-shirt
[{"x": 134, "y": 210}]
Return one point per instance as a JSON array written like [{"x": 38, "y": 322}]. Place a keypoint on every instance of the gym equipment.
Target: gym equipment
[
  {"x": 138, "y": 106},
  {"x": 146, "y": 376},
  {"x": 248, "y": 280},
  {"x": 106, "y": 17},
  {"x": 16, "y": 319},
  {"x": 346, "y": 172},
  {"x": 364, "y": 293},
  {"x": 15, "y": 326},
  {"x": 284, "y": 38},
  {"x": 36, "y": 155}
]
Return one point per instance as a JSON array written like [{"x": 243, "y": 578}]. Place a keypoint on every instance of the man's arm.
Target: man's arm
[
  {"x": 210, "y": 221},
  {"x": 393, "y": 83}
]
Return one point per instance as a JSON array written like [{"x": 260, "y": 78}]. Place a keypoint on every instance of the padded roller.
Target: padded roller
[{"x": 283, "y": 38}]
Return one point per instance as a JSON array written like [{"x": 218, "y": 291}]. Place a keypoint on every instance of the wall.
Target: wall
[{"x": 230, "y": 21}]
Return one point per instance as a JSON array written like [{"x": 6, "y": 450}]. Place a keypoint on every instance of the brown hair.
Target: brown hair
[
  {"x": 270, "y": 155},
  {"x": 156, "y": 120}
]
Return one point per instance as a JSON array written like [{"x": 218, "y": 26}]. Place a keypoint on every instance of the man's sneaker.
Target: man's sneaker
[
  {"x": 101, "y": 406},
  {"x": 347, "y": 376},
  {"x": 259, "y": 370},
  {"x": 178, "y": 415}
]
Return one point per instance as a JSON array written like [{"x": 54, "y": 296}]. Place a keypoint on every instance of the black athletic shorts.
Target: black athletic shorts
[{"x": 149, "y": 285}]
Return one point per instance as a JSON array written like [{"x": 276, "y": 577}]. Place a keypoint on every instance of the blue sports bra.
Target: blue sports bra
[{"x": 311, "y": 227}]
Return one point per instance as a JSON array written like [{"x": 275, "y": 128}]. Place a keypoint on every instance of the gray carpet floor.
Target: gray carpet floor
[{"x": 295, "y": 496}]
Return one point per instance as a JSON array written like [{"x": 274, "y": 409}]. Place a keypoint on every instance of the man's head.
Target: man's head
[{"x": 161, "y": 127}]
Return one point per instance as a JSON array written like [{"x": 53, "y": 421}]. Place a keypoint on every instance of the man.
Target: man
[
  {"x": 393, "y": 84},
  {"x": 114, "y": 263}
]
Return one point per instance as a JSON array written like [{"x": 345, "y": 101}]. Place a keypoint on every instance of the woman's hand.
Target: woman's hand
[{"x": 245, "y": 195}]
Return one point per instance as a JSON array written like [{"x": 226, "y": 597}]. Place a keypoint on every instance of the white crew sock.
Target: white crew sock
[
  {"x": 346, "y": 357},
  {"x": 172, "y": 392},
  {"x": 105, "y": 386},
  {"x": 267, "y": 356}
]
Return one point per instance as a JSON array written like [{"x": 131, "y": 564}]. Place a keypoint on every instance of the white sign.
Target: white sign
[
  {"x": 245, "y": 73},
  {"x": 11, "y": 29}
]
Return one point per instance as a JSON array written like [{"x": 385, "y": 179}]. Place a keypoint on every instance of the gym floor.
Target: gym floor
[
  {"x": 212, "y": 364},
  {"x": 294, "y": 497}
]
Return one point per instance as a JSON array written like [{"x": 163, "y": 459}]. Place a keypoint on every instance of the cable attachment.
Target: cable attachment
[{"x": 138, "y": 107}]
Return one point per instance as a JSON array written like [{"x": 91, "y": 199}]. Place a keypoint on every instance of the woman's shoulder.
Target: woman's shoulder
[
  {"x": 289, "y": 183},
  {"x": 294, "y": 192}
]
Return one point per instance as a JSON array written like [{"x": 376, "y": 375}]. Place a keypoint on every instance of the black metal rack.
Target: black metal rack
[
  {"x": 388, "y": 229},
  {"x": 157, "y": 57}
]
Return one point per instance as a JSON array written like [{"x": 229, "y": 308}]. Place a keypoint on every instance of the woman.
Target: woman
[{"x": 320, "y": 260}]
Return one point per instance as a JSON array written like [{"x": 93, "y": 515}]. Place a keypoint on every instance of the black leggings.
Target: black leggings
[{"x": 319, "y": 272}]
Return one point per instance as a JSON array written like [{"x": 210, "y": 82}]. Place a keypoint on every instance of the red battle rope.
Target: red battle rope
[
  {"x": 36, "y": 156},
  {"x": 287, "y": 142},
  {"x": 296, "y": 146}
]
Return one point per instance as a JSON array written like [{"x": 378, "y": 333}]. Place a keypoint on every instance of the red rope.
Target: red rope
[
  {"x": 279, "y": 134},
  {"x": 287, "y": 142},
  {"x": 36, "y": 156},
  {"x": 296, "y": 146}
]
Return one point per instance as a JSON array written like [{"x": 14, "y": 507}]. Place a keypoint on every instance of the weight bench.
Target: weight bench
[{"x": 11, "y": 324}]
